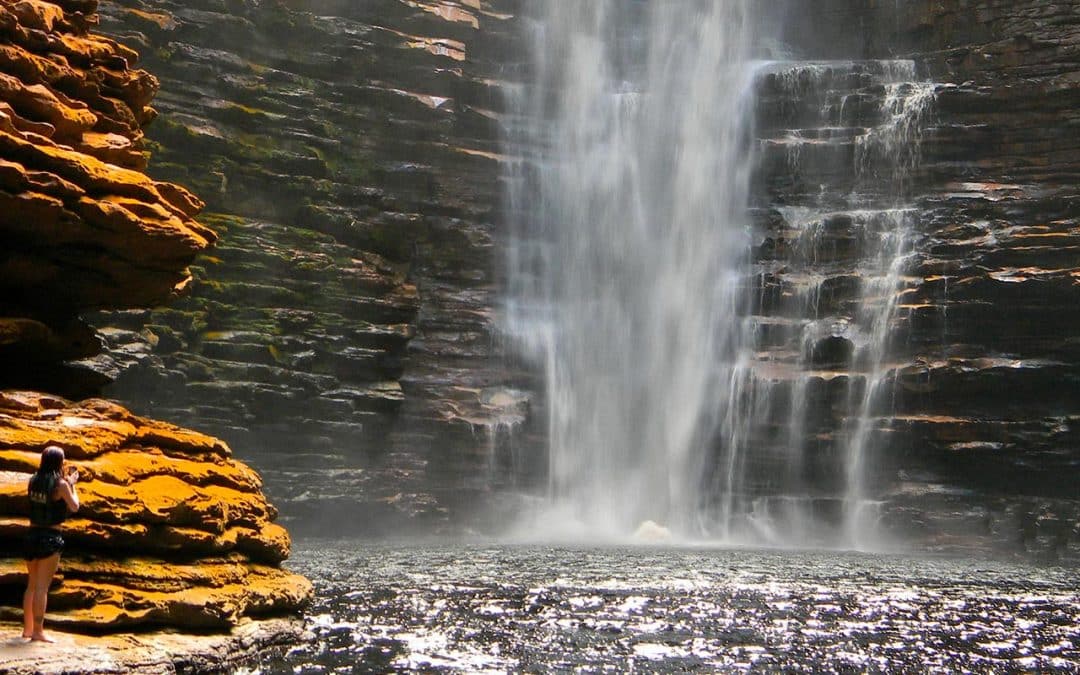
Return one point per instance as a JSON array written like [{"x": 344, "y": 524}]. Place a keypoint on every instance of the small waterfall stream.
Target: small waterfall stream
[
  {"x": 860, "y": 128},
  {"x": 690, "y": 323}
]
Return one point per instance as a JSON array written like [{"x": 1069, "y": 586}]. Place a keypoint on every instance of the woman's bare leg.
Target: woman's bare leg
[
  {"x": 28, "y": 598},
  {"x": 46, "y": 570}
]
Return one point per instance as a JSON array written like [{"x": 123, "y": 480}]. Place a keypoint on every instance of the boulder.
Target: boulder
[
  {"x": 80, "y": 224},
  {"x": 172, "y": 531}
]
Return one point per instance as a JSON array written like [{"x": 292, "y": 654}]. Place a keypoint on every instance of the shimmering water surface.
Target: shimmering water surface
[{"x": 500, "y": 608}]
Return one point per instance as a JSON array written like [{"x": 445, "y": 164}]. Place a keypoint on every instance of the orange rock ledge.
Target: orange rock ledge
[
  {"x": 82, "y": 228},
  {"x": 173, "y": 531}
]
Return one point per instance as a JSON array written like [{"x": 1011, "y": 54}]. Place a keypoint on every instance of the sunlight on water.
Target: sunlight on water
[{"x": 657, "y": 609}]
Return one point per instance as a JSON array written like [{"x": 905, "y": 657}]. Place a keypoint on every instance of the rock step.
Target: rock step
[
  {"x": 171, "y": 531},
  {"x": 153, "y": 653}
]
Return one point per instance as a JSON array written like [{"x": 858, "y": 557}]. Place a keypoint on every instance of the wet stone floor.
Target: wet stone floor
[{"x": 501, "y": 608}]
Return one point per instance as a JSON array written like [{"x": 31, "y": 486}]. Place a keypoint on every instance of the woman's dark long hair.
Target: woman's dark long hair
[{"x": 48, "y": 473}]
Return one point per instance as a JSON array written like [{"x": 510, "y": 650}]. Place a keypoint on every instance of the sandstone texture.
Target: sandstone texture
[
  {"x": 83, "y": 227},
  {"x": 172, "y": 531}
]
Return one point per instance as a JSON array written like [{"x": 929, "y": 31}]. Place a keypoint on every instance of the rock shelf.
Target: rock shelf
[
  {"x": 172, "y": 532},
  {"x": 149, "y": 653}
]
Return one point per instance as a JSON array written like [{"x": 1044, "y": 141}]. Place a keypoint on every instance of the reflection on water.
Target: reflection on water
[{"x": 499, "y": 608}]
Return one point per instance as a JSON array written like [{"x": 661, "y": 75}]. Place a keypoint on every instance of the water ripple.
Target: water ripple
[{"x": 511, "y": 609}]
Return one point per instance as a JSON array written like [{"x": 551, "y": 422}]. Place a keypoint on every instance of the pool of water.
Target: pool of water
[{"x": 499, "y": 608}]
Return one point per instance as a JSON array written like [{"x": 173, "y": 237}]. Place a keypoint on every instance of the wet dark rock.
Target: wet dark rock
[
  {"x": 353, "y": 148},
  {"x": 983, "y": 359},
  {"x": 833, "y": 351}
]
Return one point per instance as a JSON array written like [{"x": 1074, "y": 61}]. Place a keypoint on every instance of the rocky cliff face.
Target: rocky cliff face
[
  {"x": 997, "y": 308},
  {"x": 83, "y": 228},
  {"x": 973, "y": 444},
  {"x": 342, "y": 336},
  {"x": 173, "y": 531}
]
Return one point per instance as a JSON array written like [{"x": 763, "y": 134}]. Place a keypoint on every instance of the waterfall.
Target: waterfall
[
  {"x": 684, "y": 361},
  {"x": 897, "y": 142},
  {"x": 625, "y": 268}
]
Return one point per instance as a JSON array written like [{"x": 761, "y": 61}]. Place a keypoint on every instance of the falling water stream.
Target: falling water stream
[
  {"x": 635, "y": 277},
  {"x": 624, "y": 271}
]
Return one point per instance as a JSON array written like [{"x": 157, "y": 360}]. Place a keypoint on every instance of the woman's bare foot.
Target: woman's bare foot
[
  {"x": 41, "y": 637},
  {"x": 27, "y": 636}
]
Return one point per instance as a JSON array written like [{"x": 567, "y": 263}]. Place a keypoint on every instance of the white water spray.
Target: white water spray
[{"x": 625, "y": 268}]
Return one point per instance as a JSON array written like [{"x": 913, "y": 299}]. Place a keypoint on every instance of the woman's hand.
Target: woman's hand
[{"x": 73, "y": 476}]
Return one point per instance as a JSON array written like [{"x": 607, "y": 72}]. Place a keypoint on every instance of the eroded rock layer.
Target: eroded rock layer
[
  {"x": 340, "y": 335},
  {"x": 172, "y": 531},
  {"x": 83, "y": 228}
]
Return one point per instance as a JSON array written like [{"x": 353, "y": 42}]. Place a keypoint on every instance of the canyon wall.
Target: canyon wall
[
  {"x": 172, "y": 531},
  {"x": 342, "y": 337}
]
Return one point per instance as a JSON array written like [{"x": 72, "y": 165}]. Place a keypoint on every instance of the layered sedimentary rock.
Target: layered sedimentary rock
[
  {"x": 172, "y": 531},
  {"x": 975, "y": 439},
  {"x": 83, "y": 228},
  {"x": 340, "y": 334},
  {"x": 990, "y": 395}
]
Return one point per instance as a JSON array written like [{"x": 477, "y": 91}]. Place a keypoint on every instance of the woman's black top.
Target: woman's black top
[{"x": 44, "y": 510}]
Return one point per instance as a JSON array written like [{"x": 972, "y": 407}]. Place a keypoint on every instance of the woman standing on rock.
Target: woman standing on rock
[{"x": 52, "y": 496}]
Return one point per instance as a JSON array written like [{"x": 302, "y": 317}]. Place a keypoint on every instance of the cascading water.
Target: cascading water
[
  {"x": 838, "y": 258},
  {"x": 897, "y": 142},
  {"x": 681, "y": 368},
  {"x": 625, "y": 271}
]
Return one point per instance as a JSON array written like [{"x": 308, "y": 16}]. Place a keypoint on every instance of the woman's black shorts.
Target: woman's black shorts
[{"x": 41, "y": 542}]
